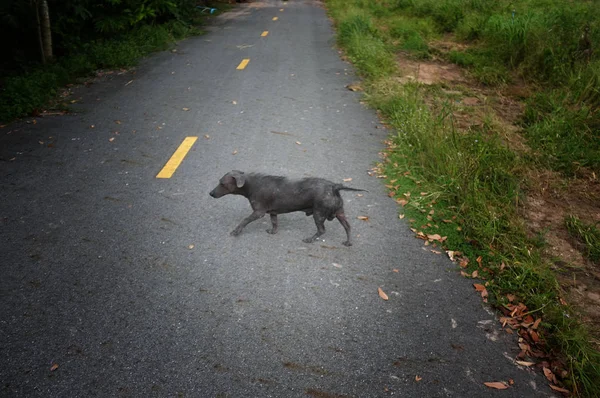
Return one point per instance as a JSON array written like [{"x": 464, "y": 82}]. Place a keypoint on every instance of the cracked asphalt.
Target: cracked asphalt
[{"x": 117, "y": 283}]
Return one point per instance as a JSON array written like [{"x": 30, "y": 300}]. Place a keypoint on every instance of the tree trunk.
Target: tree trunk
[
  {"x": 36, "y": 9},
  {"x": 46, "y": 33}
]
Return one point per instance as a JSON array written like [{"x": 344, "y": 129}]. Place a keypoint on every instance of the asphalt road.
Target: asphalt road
[{"x": 132, "y": 285}]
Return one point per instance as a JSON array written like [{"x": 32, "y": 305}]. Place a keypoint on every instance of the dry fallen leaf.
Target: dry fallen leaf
[
  {"x": 53, "y": 367},
  {"x": 559, "y": 389},
  {"x": 382, "y": 294},
  {"x": 402, "y": 202},
  {"x": 298, "y": 143},
  {"x": 190, "y": 246},
  {"x": 207, "y": 136},
  {"x": 234, "y": 102},
  {"x": 118, "y": 121},
  {"x": 186, "y": 109},
  {"x": 336, "y": 265},
  {"x": 234, "y": 152},
  {"x": 525, "y": 363},
  {"x": 364, "y": 218},
  {"x": 401, "y": 216},
  {"x": 549, "y": 375},
  {"x": 347, "y": 179},
  {"x": 111, "y": 139},
  {"x": 395, "y": 270},
  {"x": 418, "y": 378},
  {"x": 498, "y": 385},
  {"x": 480, "y": 288}
]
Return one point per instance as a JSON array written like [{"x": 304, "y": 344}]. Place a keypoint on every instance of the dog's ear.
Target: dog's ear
[{"x": 239, "y": 177}]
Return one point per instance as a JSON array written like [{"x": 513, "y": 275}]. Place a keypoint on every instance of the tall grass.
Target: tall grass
[{"x": 365, "y": 48}]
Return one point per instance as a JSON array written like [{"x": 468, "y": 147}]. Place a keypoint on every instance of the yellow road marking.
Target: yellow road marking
[
  {"x": 275, "y": 18},
  {"x": 177, "y": 158},
  {"x": 263, "y": 34},
  {"x": 243, "y": 64}
]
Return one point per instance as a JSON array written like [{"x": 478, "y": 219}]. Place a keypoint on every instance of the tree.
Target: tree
[{"x": 44, "y": 31}]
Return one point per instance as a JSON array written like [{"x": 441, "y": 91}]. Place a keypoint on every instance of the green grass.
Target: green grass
[
  {"x": 588, "y": 235},
  {"x": 467, "y": 185},
  {"x": 566, "y": 135},
  {"x": 22, "y": 94}
]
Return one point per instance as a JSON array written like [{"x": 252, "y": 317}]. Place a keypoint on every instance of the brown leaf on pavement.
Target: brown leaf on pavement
[
  {"x": 364, "y": 218},
  {"x": 382, "y": 294},
  {"x": 498, "y": 385},
  {"x": 480, "y": 288},
  {"x": 550, "y": 376},
  {"x": 525, "y": 363},
  {"x": 53, "y": 367}
]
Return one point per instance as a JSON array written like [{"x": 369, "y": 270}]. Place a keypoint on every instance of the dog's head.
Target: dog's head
[{"x": 229, "y": 183}]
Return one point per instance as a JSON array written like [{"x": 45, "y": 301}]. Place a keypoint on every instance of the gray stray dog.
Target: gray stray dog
[{"x": 277, "y": 195}]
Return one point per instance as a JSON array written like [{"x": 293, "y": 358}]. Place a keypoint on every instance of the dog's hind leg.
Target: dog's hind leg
[
  {"x": 320, "y": 222},
  {"x": 252, "y": 217},
  {"x": 273, "y": 230},
  {"x": 342, "y": 219}
]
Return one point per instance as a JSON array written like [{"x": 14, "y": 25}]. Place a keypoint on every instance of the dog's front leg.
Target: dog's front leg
[{"x": 252, "y": 217}]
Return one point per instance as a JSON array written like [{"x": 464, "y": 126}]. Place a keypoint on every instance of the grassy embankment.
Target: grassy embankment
[{"x": 466, "y": 183}]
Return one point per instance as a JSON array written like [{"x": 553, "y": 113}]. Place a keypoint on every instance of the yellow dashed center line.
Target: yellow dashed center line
[
  {"x": 263, "y": 34},
  {"x": 177, "y": 158},
  {"x": 243, "y": 64},
  {"x": 275, "y": 18}
]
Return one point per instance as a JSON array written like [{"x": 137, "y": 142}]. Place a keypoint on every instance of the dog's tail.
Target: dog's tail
[{"x": 340, "y": 187}]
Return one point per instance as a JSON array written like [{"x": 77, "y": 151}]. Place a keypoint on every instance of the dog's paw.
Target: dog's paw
[
  {"x": 308, "y": 240},
  {"x": 347, "y": 243},
  {"x": 271, "y": 231}
]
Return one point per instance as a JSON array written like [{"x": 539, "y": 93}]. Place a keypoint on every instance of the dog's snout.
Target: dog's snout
[{"x": 212, "y": 193}]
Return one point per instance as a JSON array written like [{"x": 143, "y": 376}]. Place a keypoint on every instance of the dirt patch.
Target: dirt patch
[
  {"x": 429, "y": 72},
  {"x": 550, "y": 197}
]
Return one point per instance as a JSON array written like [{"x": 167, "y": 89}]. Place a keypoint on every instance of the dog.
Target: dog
[{"x": 277, "y": 195}]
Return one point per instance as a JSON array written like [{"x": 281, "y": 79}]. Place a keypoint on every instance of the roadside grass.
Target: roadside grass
[
  {"x": 467, "y": 184},
  {"x": 34, "y": 88},
  {"x": 588, "y": 235}
]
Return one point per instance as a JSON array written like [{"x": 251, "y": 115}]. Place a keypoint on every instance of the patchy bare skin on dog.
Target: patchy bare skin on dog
[{"x": 275, "y": 195}]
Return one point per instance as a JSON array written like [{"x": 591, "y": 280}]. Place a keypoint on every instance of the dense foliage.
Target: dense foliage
[
  {"x": 76, "y": 23},
  {"x": 85, "y": 36}
]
